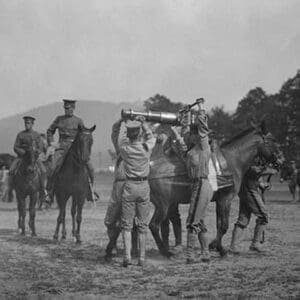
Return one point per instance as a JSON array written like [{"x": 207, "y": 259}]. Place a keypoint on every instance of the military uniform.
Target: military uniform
[
  {"x": 136, "y": 192},
  {"x": 252, "y": 202},
  {"x": 25, "y": 140},
  {"x": 196, "y": 149}
]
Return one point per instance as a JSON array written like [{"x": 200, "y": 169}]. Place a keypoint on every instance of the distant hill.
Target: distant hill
[{"x": 92, "y": 112}]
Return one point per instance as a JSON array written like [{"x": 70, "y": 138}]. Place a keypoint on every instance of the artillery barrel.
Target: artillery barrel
[{"x": 152, "y": 116}]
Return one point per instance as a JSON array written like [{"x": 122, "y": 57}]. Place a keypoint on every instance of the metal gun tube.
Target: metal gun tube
[{"x": 152, "y": 116}]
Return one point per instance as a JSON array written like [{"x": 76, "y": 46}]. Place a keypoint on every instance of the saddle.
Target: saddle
[{"x": 224, "y": 177}]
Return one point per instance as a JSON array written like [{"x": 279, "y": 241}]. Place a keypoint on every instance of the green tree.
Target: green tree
[
  {"x": 220, "y": 122},
  {"x": 162, "y": 103}
]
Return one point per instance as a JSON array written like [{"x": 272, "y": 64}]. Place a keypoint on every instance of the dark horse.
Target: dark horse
[
  {"x": 26, "y": 183},
  {"x": 167, "y": 191},
  {"x": 72, "y": 180}
]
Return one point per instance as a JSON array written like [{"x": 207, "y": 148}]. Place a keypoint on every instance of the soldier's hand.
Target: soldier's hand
[{"x": 142, "y": 119}]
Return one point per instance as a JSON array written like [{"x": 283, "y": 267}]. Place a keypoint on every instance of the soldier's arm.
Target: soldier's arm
[
  {"x": 18, "y": 147},
  {"x": 40, "y": 144},
  {"x": 51, "y": 131},
  {"x": 180, "y": 142},
  {"x": 121, "y": 135},
  {"x": 150, "y": 139},
  {"x": 115, "y": 134}
]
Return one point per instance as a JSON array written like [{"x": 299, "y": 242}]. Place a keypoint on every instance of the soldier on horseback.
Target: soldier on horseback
[
  {"x": 67, "y": 126},
  {"x": 24, "y": 140}
]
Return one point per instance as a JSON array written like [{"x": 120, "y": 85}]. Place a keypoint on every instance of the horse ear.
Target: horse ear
[
  {"x": 92, "y": 128},
  {"x": 263, "y": 127}
]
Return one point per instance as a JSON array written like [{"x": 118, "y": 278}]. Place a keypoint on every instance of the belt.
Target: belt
[{"x": 137, "y": 178}]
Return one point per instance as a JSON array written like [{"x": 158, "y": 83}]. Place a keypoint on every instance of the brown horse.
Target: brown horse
[
  {"x": 167, "y": 191},
  {"x": 26, "y": 183},
  {"x": 72, "y": 179}
]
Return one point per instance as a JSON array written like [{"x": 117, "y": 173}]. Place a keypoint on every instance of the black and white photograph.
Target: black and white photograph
[{"x": 149, "y": 149}]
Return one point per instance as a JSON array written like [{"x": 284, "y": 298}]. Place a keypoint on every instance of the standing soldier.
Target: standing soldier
[
  {"x": 67, "y": 126},
  {"x": 135, "y": 153},
  {"x": 197, "y": 154},
  {"x": 252, "y": 202},
  {"x": 24, "y": 141}
]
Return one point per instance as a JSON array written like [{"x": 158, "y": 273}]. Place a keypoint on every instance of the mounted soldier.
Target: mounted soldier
[
  {"x": 25, "y": 140},
  {"x": 68, "y": 126}
]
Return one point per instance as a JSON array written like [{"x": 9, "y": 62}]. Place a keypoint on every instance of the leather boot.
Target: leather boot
[
  {"x": 204, "y": 247},
  {"x": 127, "y": 248},
  {"x": 237, "y": 234},
  {"x": 191, "y": 242},
  {"x": 142, "y": 248},
  {"x": 258, "y": 232}
]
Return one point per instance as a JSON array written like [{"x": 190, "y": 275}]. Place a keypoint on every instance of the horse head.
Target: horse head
[
  {"x": 269, "y": 149},
  {"x": 30, "y": 158},
  {"x": 85, "y": 142}
]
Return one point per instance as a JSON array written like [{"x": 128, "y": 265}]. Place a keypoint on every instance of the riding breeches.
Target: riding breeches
[
  {"x": 201, "y": 195},
  {"x": 251, "y": 202},
  {"x": 135, "y": 205},
  {"x": 113, "y": 212}
]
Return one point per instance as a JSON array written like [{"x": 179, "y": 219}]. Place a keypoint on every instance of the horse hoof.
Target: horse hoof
[
  {"x": 33, "y": 234},
  {"x": 167, "y": 253},
  {"x": 55, "y": 238},
  {"x": 63, "y": 238},
  {"x": 78, "y": 242},
  {"x": 22, "y": 233},
  {"x": 223, "y": 253},
  {"x": 213, "y": 246},
  {"x": 74, "y": 239}
]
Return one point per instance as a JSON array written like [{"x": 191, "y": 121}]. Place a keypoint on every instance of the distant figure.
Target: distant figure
[
  {"x": 292, "y": 180},
  {"x": 4, "y": 184}
]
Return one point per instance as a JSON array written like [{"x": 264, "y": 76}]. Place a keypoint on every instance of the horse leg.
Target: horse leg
[
  {"x": 165, "y": 232},
  {"x": 73, "y": 213},
  {"x": 63, "y": 230},
  {"x": 158, "y": 217},
  {"x": 80, "y": 202},
  {"x": 174, "y": 217},
  {"x": 32, "y": 204},
  {"x": 22, "y": 212},
  {"x": 223, "y": 205},
  {"x": 61, "y": 201}
]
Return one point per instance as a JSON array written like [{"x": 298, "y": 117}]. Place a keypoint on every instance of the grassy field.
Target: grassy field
[{"x": 40, "y": 268}]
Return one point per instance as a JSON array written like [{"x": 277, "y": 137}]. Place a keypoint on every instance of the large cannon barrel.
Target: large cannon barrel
[{"x": 153, "y": 116}]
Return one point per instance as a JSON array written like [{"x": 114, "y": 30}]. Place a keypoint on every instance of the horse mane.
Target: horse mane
[{"x": 238, "y": 136}]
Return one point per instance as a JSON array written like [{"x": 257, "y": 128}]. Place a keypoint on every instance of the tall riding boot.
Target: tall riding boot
[
  {"x": 191, "y": 242},
  {"x": 127, "y": 248},
  {"x": 237, "y": 234},
  {"x": 258, "y": 233},
  {"x": 142, "y": 248},
  {"x": 204, "y": 246}
]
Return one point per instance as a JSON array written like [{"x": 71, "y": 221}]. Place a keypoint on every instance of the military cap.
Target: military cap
[
  {"x": 29, "y": 118},
  {"x": 133, "y": 125},
  {"x": 69, "y": 103}
]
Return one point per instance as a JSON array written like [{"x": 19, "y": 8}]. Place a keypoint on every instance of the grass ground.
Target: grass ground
[{"x": 40, "y": 268}]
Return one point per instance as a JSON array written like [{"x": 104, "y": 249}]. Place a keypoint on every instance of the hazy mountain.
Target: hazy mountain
[{"x": 92, "y": 112}]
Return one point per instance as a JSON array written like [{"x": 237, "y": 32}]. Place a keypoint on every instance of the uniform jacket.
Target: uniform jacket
[
  {"x": 136, "y": 155},
  {"x": 25, "y": 139},
  {"x": 67, "y": 127}
]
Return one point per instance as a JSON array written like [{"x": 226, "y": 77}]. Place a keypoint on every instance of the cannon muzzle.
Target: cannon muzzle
[{"x": 153, "y": 116}]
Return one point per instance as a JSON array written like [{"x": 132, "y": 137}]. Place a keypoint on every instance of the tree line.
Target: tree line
[{"x": 280, "y": 111}]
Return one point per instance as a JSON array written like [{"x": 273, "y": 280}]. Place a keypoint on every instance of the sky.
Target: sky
[{"x": 130, "y": 50}]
